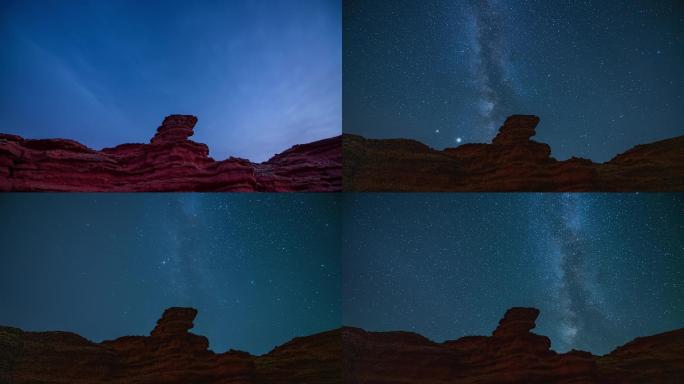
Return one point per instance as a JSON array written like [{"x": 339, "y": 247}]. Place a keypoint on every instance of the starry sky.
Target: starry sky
[
  {"x": 260, "y": 75},
  {"x": 602, "y": 75},
  {"x": 602, "y": 268},
  {"x": 261, "y": 269}
]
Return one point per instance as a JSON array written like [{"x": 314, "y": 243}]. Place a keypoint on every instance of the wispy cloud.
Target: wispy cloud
[{"x": 60, "y": 80}]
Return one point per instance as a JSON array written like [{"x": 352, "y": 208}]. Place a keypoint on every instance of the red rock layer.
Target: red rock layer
[
  {"x": 173, "y": 355},
  {"x": 657, "y": 166},
  {"x": 652, "y": 359},
  {"x": 512, "y": 162},
  {"x": 170, "y": 162},
  {"x": 307, "y": 360}
]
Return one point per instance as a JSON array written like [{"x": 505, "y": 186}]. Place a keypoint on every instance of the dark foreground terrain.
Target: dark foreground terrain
[
  {"x": 171, "y": 354},
  {"x": 512, "y": 162},
  {"x": 170, "y": 162},
  {"x": 512, "y": 354}
]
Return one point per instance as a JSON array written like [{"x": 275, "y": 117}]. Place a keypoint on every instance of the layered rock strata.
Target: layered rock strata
[
  {"x": 512, "y": 162},
  {"x": 173, "y": 355},
  {"x": 170, "y": 162},
  {"x": 170, "y": 354},
  {"x": 512, "y": 354}
]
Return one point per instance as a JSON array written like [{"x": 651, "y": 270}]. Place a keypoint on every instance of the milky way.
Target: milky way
[
  {"x": 566, "y": 222},
  {"x": 187, "y": 261},
  {"x": 490, "y": 66}
]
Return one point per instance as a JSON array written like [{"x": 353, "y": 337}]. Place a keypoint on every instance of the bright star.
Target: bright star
[{"x": 458, "y": 139}]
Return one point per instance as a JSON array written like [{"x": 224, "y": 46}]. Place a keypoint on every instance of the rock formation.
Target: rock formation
[
  {"x": 512, "y": 162},
  {"x": 171, "y": 354},
  {"x": 311, "y": 359},
  {"x": 170, "y": 162},
  {"x": 511, "y": 355},
  {"x": 652, "y": 359}
]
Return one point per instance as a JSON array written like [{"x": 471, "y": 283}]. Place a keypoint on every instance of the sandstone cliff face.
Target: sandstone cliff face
[
  {"x": 171, "y": 354},
  {"x": 512, "y": 162},
  {"x": 170, "y": 162}
]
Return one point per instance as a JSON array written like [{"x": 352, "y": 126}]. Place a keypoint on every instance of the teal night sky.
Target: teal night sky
[{"x": 260, "y": 268}]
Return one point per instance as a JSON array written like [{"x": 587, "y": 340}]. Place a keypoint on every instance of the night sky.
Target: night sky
[
  {"x": 261, "y": 269},
  {"x": 602, "y": 75},
  {"x": 602, "y": 268},
  {"x": 260, "y": 75}
]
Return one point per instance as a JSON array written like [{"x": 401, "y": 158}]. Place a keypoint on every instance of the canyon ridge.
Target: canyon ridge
[
  {"x": 512, "y": 162},
  {"x": 171, "y": 354},
  {"x": 170, "y": 162}
]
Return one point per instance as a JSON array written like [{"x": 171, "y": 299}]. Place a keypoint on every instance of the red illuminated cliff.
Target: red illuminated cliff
[{"x": 170, "y": 162}]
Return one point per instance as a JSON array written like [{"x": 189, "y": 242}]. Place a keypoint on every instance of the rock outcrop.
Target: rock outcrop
[
  {"x": 654, "y": 167},
  {"x": 170, "y": 162},
  {"x": 652, "y": 359},
  {"x": 308, "y": 360},
  {"x": 171, "y": 354},
  {"x": 512, "y": 162},
  {"x": 512, "y": 354}
]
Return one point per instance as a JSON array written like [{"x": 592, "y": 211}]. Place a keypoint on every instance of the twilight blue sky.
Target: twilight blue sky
[{"x": 260, "y": 75}]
